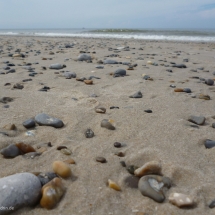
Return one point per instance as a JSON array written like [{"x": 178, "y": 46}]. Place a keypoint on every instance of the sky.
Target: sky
[{"x": 33, "y": 14}]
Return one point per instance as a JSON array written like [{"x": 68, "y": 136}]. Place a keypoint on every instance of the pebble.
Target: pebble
[
  {"x": 152, "y": 167},
  {"x": 89, "y": 133},
  {"x": 25, "y": 148},
  {"x": 6, "y": 100},
  {"x": 105, "y": 123},
  {"x": 10, "y": 151},
  {"x": 69, "y": 75},
  {"x": 57, "y": 66},
  {"x": 212, "y": 204},
  {"x": 31, "y": 155},
  {"x": 62, "y": 169},
  {"x": 123, "y": 164},
  {"x": 181, "y": 200},
  {"x": 209, "y": 82},
  {"x": 101, "y": 159},
  {"x": 209, "y": 144},
  {"x": 19, "y": 190},
  {"x": 84, "y": 57},
  {"x": 109, "y": 61},
  {"x": 46, "y": 177},
  {"x": 66, "y": 151},
  {"x": 199, "y": 120},
  {"x": 44, "y": 119},
  {"x": 10, "y": 127},
  {"x": 69, "y": 161},
  {"x": 136, "y": 95},
  {"x": 61, "y": 147},
  {"x": 120, "y": 154},
  {"x": 152, "y": 187},
  {"x": 131, "y": 169},
  {"x": 205, "y": 97},
  {"x": 179, "y": 66},
  {"x": 18, "y": 86},
  {"x": 113, "y": 185},
  {"x": 187, "y": 90},
  {"x": 148, "y": 111},
  {"x": 213, "y": 125},
  {"x": 119, "y": 73},
  {"x": 100, "y": 110},
  {"x": 99, "y": 67},
  {"x": 52, "y": 193},
  {"x": 117, "y": 145},
  {"x": 29, "y": 123},
  {"x": 88, "y": 82},
  {"x": 178, "y": 90}
]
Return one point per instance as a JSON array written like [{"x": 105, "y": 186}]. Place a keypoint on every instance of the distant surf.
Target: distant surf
[{"x": 198, "y": 35}]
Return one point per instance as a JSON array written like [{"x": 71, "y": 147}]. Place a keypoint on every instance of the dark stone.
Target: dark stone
[
  {"x": 46, "y": 177},
  {"x": 209, "y": 82},
  {"x": 169, "y": 70},
  {"x": 209, "y": 144},
  {"x": 123, "y": 164},
  {"x": 25, "y": 80},
  {"x": 136, "y": 95},
  {"x": 109, "y": 61},
  {"x": 114, "y": 107},
  {"x": 89, "y": 133},
  {"x": 11, "y": 71},
  {"x": 119, "y": 73},
  {"x": 6, "y": 100},
  {"x": 84, "y": 57},
  {"x": 10, "y": 151},
  {"x": 179, "y": 65},
  {"x": 117, "y": 145},
  {"x": 44, "y": 119},
  {"x": 29, "y": 123},
  {"x": 199, "y": 120},
  {"x": 187, "y": 90},
  {"x": 148, "y": 111},
  {"x": 212, "y": 204},
  {"x": 99, "y": 67},
  {"x": 101, "y": 159},
  {"x": 18, "y": 86},
  {"x": 131, "y": 169}
]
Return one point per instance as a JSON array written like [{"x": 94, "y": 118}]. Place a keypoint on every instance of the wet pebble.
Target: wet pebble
[
  {"x": 209, "y": 144},
  {"x": 62, "y": 169},
  {"x": 113, "y": 185}
]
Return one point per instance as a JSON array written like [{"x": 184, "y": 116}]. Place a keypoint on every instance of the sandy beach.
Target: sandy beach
[{"x": 165, "y": 135}]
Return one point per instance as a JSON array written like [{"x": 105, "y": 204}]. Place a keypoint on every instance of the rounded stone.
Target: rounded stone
[
  {"x": 178, "y": 90},
  {"x": 209, "y": 82},
  {"x": 89, "y": 133},
  {"x": 187, "y": 90},
  {"x": 10, "y": 151},
  {"x": 109, "y": 61},
  {"x": 46, "y": 177},
  {"x": 136, "y": 95},
  {"x": 69, "y": 75},
  {"x": 19, "y": 190},
  {"x": 84, "y": 57},
  {"x": 181, "y": 200},
  {"x": 29, "y": 123},
  {"x": 100, "y": 110},
  {"x": 117, "y": 145},
  {"x": 209, "y": 144},
  {"x": 57, "y": 66},
  {"x": 25, "y": 148},
  {"x": 44, "y": 119},
  {"x": 199, "y": 120},
  {"x": 88, "y": 82},
  {"x": 101, "y": 159},
  {"x": 119, "y": 72},
  {"x": 148, "y": 111},
  {"x": 106, "y": 124},
  {"x": 66, "y": 151},
  {"x": 62, "y": 169}
]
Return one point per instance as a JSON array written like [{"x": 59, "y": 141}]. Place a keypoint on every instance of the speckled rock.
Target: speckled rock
[
  {"x": 181, "y": 200},
  {"x": 19, "y": 190},
  {"x": 69, "y": 75}
]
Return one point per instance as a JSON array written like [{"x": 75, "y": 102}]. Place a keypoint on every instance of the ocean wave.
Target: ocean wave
[{"x": 117, "y": 36}]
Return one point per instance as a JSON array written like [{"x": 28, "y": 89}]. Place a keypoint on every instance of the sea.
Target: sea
[{"x": 195, "y": 35}]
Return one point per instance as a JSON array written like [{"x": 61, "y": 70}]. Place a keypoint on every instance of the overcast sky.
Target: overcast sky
[{"x": 107, "y": 14}]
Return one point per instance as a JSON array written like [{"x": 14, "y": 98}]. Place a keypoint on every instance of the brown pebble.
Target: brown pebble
[
  {"x": 100, "y": 110},
  {"x": 117, "y": 145},
  {"x": 178, "y": 90},
  {"x": 52, "y": 193},
  {"x": 62, "y": 169},
  {"x": 88, "y": 82},
  {"x": 113, "y": 185},
  {"x": 205, "y": 97},
  {"x": 69, "y": 161},
  {"x": 101, "y": 159},
  {"x": 10, "y": 127},
  {"x": 120, "y": 154},
  {"x": 61, "y": 147},
  {"x": 25, "y": 148}
]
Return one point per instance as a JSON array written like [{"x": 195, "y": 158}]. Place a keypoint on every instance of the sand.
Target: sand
[{"x": 164, "y": 135}]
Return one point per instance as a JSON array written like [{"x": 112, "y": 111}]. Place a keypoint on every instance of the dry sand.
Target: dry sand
[{"x": 164, "y": 135}]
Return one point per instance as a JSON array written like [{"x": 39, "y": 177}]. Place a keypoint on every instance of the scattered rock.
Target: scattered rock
[
  {"x": 152, "y": 167},
  {"x": 52, "y": 193},
  {"x": 131, "y": 169},
  {"x": 109, "y": 61},
  {"x": 29, "y": 123},
  {"x": 62, "y": 169},
  {"x": 18, "y": 86},
  {"x": 205, "y": 97},
  {"x": 88, "y": 82},
  {"x": 100, "y": 110},
  {"x": 148, "y": 111},
  {"x": 113, "y": 185},
  {"x": 66, "y": 151},
  {"x": 179, "y": 66},
  {"x": 10, "y": 151},
  {"x": 25, "y": 148},
  {"x": 199, "y": 120},
  {"x": 6, "y": 100},
  {"x": 117, "y": 145},
  {"x": 46, "y": 177},
  {"x": 152, "y": 187},
  {"x": 181, "y": 200},
  {"x": 119, "y": 73},
  {"x": 69, "y": 75},
  {"x": 209, "y": 82},
  {"x": 19, "y": 190},
  {"x": 105, "y": 123},
  {"x": 136, "y": 95},
  {"x": 44, "y": 119},
  {"x": 120, "y": 154},
  {"x": 187, "y": 90},
  {"x": 209, "y": 144},
  {"x": 84, "y": 57},
  {"x": 178, "y": 90},
  {"x": 89, "y": 133},
  {"x": 57, "y": 66},
  {"x": 101, "y": 159}
]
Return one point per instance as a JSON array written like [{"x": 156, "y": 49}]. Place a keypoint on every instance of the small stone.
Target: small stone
[
  {"x": 152, "y": 167},
  {"x": 213, "y": 125},
  {"x": 84, "y": 57},
  {"x": 114, "y": 107},
  {"x": 205, "y": 97},
  {"x": 209, "y": 144},
  {"x": 209, "y": 82},
  {"x": 100, "y": 110},
  {"x": 19, "y": 190},
  {"x": 6, "y": 100},
  {"x": 69, "y": 161},
  {"x": 10, "y": 127},
  {"x": 57, "y": 66},
  {"x": 66, "y": 151},
  {"x": 187, "y": 90},
  {"x": 44, "y": 119},
  {"x": 179, "y": 66},
  {"x": 46, "y": 177},
  {"x": 25, "y": 148},
  {"x": 199, "y": 120},
  {"x": 52, "y": 193},
  {"x": 123, "y": 164},
  {"x": 117, "y": 145},
  {"x": 148, "y": 111},
  {"x": 31, "y": 155},
  {"x": 101, "y": 159},
  {"x": 62, "y": 169},
  {"x": 30, "y": 133},
  {"x": 181, "y": 200},
  {"x": 152, "y": 187},
  {"x": 109, "y": 61},
  {"x": 131, "y": 169},
  {"x": 120, "y": 154},
  {"x": 136, "y": 95},
  {"x": 69, "y": 75},
  {"x": 212, "y": 204},
  {"x": 113, "y": 185},
  {"x": 10, "y": 151},
  {"x": 178, "y": 90},
  {"x": 146, "y": 77},
  {"x": 105, "y": 123},
  {"x": 18, "y": 86},
  {"x": 61, "y": 147},
  {"x": 119, "y": 73},
  {"x": 29, "y": 123},
  {"x": 89, "y": 133},
  {"x": 88, "y": 82}
]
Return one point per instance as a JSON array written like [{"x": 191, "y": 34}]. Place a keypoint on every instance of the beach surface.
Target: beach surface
[{"x": 164, "y": 136}]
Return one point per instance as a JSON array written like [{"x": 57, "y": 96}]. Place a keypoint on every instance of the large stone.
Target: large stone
[
  {"x": 10, "y": 151},
  {"x": 44, "y": 119},
  {"x": 152, "y": 187},
  {"x": 57, "y": 66},
  {"x": 119, "y": 73},
  {"x": 29, "y": 123},
  {"x": 19, "y": 190},
  {"x": 199, "y": 120},
  {"x": 84, "y": 57},
  {"x": 209, "y": 144}
]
